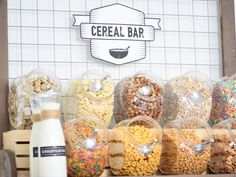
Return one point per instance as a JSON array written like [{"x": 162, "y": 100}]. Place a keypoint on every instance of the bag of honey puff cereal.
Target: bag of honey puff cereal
[
  {"x": 140, "y": 94},
  {"x": 135, "y": 147},
  {"x": 86, "y": 146},
  {"x": 92, "y": 94},
  {"x": 20, "y": 91},
  {"x": 185, "y": 147},
  {"x": 223, "y": 100},
  {"x": 186, "y": 96}
]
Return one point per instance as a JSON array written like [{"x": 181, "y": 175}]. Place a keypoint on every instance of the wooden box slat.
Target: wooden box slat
[
  {"x": 22, "y": 162},
  {"x": 23, "y": 174},
  {"x": 18, "y": 135},
  {"x": 22, "y": 149}
]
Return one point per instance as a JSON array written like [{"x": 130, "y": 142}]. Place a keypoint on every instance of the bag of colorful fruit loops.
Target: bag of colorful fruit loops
[
  {"x": 86, "y": 146},
  {"x": 223, "y": 100}
]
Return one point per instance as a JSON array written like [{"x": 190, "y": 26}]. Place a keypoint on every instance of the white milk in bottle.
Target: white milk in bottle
[
  {"x": 34, "y": 137},
  {"x": 52, "y": 159}
]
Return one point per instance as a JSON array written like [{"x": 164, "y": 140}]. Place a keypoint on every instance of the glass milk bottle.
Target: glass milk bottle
[
  {"x": 52, "y": 159},
  {"x": 35, "y": 118}
]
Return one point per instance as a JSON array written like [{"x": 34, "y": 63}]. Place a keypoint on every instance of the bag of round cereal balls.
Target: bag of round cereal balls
[
  {"x": 135, "y": 147},
  {"x": 140, "y": 94}
]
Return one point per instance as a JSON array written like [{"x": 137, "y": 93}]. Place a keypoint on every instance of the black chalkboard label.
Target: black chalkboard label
[
  {"x": 35, "y": 152},
  {"x": 52, "y": 151}
]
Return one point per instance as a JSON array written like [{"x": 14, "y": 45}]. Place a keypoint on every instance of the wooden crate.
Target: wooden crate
[{"x": 18, "y": 142}]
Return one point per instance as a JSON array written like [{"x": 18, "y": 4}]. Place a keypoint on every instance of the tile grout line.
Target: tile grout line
[{"x": 164, "y": 45}]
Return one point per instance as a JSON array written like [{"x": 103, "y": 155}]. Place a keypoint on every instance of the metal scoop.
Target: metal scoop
[
  {"x": 145, "y": 90},
  {"x": 98, "y": 85}
]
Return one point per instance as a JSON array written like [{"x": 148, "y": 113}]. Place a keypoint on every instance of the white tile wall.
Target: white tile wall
[
  {"x": 41, "y": 35},
  {"x": 185, "y": 7}
]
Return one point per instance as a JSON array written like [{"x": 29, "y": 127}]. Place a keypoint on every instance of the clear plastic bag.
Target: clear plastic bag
[
  {"x": 20, "y": 91},
  {"x": 186, "y": 96},
  {"x": 223, "y": 151},
  {"x": 185, "y": 147},
  {"x": 223, "y": 100},
  {"x": 135, "y": 147},
  {"x": 140, "y": 94},
  {"x": 92, "y": 94},
  {"x": 19, "y": 105},
  {"x": 86, "y": 146}
]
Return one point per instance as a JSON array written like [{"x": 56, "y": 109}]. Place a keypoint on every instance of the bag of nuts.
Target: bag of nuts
[
  {"x": 20, "y": 90},
  {"x": 186, "y": 96},
  {"x": 223, "y": 150},
  {"x": 92, "y": 94},
  {"x": 135, "y": 147},
  {"x": 185, "y": 147},
  {"x": 140, "y": 94}
]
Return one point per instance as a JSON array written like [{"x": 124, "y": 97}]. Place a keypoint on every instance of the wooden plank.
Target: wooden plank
[
  {"x": 4, "y": 121},
  {"x": 107, "y": 173},
  {"x": 23, "y": 174},
  {"x": 22, "y": 149},
  {"x": 8, "y": 142},
  {"x": 22, "y": 162},
  {"x": 209, "y": 175},
  {"x": 17, "y": 135},
  {"x": 228, "y": 37}
]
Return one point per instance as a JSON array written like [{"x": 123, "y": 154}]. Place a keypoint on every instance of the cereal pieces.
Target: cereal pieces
[
  {"x": 223, "y": 100},
  {"x": 177, "y": 158},
  {"x": 125, "y": 158},
  {"x": 187, "y": 96},
  {"x": 223, "y": 153},
  {"x": 20, "y": 91},
  {"x": 41, "y": 81},
  {"x": 80, "y": 99},
  {"x": 81, "y": 161},
  {"x": 138, "y": 95},
  {"x": 19, "y": 105}
]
